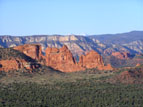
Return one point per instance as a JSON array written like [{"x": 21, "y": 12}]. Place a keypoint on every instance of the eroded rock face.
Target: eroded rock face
[
  {"x": 93, "y": 60},
  {"x": 61, "y": 59},
  {"x": 121, "y": 55},
  {"x": 32, "y": 50},
  {"x": 21, "y": 57},
  {"x": 16, "y": 64}
]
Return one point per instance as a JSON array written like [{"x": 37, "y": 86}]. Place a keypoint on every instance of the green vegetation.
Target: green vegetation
[
  {"x": 85, "y": 93},
  {"x": 117, "y": 63},
  {"x": 46, "y": 87},
  {"x": 79, "y": 89}
]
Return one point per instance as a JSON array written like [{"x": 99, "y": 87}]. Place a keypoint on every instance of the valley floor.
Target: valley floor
[{"x": 86, "y": 89}]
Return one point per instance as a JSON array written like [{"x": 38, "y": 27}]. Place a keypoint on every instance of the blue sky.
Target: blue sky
[{"x": 29, "y": 17}]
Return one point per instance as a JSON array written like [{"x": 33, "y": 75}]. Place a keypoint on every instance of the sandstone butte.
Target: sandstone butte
[
  {"x": 121, "y": 55},
  {"x": 59, "y": 59},
  {"x": 63, "y": 60},
  {"x": 93, "y": 60}
]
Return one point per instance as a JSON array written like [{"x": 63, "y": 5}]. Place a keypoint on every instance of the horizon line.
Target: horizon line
[{"x": 82, "y": 34}]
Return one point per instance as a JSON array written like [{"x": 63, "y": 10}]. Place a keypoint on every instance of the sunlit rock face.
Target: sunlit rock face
[
  {"x": 32, "y": 50},
  {"x": 16, "y": 64},
  {"x": 62, "y": 59},
  {"x": 93, "y": 60},
  {"x": 58, "y": 58}
]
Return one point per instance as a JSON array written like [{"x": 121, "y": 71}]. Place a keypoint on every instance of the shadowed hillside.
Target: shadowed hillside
[
  {"x": 12, "y": 61},
  {"x": 9, "y": 53}
]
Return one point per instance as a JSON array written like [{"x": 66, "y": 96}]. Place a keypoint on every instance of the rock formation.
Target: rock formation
[
  {"x": 63, "y": 60},
  {"x": 121, "y": 55},
  {"x": 32, "y": 50},
  {"x": 79, "y": 44},
  {"x": 93, "y": 60},
  {"x": 59, "y": 59},
  {"x": 16, "y": 64},
  {"x": 11, "y": 59}
]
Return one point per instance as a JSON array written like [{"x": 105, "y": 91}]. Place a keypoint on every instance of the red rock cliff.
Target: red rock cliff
[
  {"x": 16, "y": 64},
  {"x": 32, "y": 50},
  {"x": 61, "y": 59},
  {"x": 93, "y": 60}
]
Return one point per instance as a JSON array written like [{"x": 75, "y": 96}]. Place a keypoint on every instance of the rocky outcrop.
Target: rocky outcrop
[
  {"x": 93, "y": 60},
  {"x": 121, "y": 55},
  {"x": 25, "y": 56},
  {"x": 11, "y": 59},
  {"x": 32, "y": 50},
  {"x": 63, "y": 60},
  {"x": 16, "y": 64}
]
